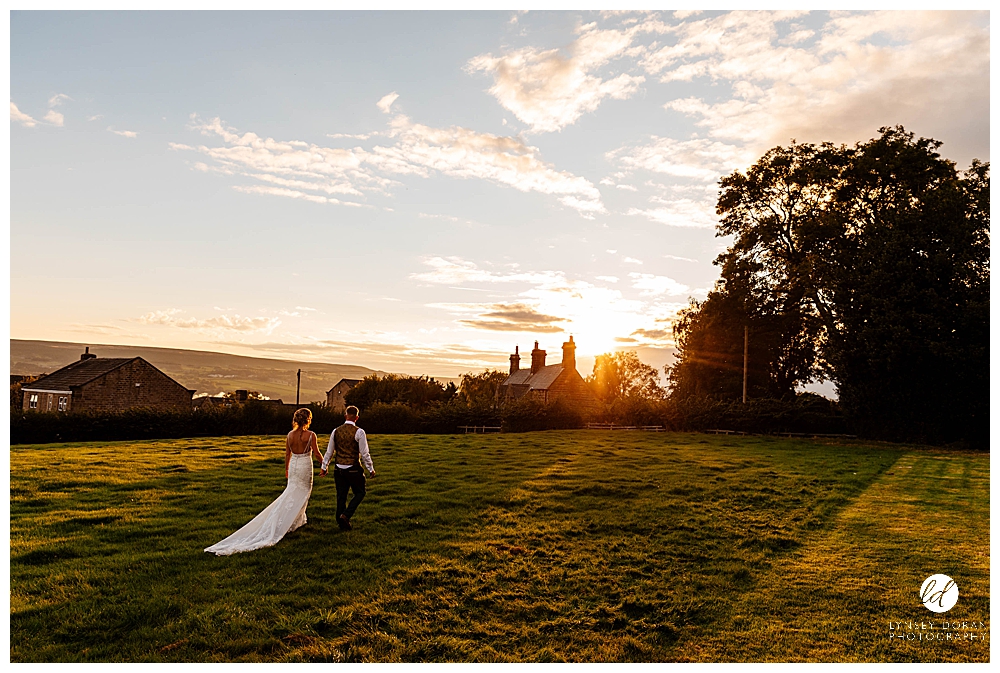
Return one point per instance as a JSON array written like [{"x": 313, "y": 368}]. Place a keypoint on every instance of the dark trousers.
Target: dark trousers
[{"x": 351, "y": 479}]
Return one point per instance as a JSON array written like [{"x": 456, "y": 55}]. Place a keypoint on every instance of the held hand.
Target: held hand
[
  {"x": 322, "y": 472},
  {"x": 371, "y": 475}
]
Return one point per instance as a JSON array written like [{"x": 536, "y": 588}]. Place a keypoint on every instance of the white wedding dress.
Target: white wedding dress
[{"x": 282, "y": 516}]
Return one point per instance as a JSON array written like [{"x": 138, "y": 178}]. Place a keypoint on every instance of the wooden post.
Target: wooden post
[
  {"x": 746, "y": 352},
  {"x": 298, "y": 386}
]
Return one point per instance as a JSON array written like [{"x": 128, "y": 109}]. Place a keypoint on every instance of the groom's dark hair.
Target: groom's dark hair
[{"x": 351, "y": 412}]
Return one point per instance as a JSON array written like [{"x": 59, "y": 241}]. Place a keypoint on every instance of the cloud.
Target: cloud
[
  {"x": 549, "y": 90},
  {"x": 431, "y": 216},
  {"x": 463, "y": 153},
  {"x": 654, "y": 334},
  {"x": 21, "y": 118},
  {"x": 652, "y": 285},
  {"x": 127, "y": 134},
  {"x": 385, "y": 103},
  {"x": 431, "y": 358},
  {"x": 551, "y": 303},
  {"x": 353, "y": 136},
  {"x": 926, "y": 70},
  {"x": 51, "y": 117},
  {"x": 699, "y": 159},
  {"x": 632, "y": 260},
  {"x": 681, "y": 259},
  {"x": 608, "y": 279},
  {"x": 417, "y": 150},
  {"x": 106, "y": 329},
  {"x": 680, "y": 213},
  {"x": 454, "y": 270},
  {"x": 281, "y": 191},
  {"x": 54, "y": 118},
  {"x": 94, "y": 118},
  {"x": 510, "y": 317},
  {"x": 234, "y": 323}
]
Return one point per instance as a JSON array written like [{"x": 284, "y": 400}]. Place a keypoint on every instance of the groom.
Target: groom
[{"x": 350, "y": 446}]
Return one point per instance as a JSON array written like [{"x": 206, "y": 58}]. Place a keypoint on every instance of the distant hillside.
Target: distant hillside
[{"x": 203, "y": 371}]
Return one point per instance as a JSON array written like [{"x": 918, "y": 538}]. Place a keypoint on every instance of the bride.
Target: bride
[{"x": 288, "y": 512}]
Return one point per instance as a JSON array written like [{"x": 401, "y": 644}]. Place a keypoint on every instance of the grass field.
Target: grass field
[{"x": 554, "y": 546}]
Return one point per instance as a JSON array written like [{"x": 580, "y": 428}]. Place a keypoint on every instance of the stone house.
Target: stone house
[
  {"x": 335, "y": 395},
  {"x": 549, "y": 383},
  {"x": 105, "y": 385}
]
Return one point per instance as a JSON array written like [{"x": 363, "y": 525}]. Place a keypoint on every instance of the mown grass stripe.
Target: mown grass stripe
[{"x": 555, "y": 546}]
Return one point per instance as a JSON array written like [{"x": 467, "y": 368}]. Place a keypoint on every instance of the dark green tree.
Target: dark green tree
[
  {"x": 880, "y": 253},
  {"x": 909, "y": 298},
  {"x": 710, "y": 339},
  {"x": 415, "y": 391},
  {"x": 481, "y": 390}
]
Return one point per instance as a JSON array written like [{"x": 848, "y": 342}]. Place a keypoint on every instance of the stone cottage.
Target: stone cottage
[
  {"x": 105, "y": 385},
  {"x": 551, "y": 382},
  {"x": 335, "y": 395}
]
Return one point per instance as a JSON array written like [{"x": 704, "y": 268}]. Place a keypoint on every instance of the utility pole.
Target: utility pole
[
  {"x": 746, "y": 352},
  {"x": 298, "y": 386}
]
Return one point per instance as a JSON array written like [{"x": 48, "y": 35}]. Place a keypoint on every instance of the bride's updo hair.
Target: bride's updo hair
[{"x": 302, "y": 418}]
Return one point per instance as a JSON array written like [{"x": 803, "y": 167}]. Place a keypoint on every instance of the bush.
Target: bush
[
  {"x": 392, "y": 419},
  {"x": 250, "y": 418},
  {"x": 446, "y": 418},
  {"x": 416, "y": 391},
  {"x": 805, "y": 413},
  {"x": 528, "y": 414}
]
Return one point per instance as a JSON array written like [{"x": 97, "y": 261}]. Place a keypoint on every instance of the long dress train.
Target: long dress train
[{"x": 282, "y": 516}]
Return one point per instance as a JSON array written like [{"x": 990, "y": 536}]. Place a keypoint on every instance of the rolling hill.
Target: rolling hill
[{"x": 203, "y": 371}]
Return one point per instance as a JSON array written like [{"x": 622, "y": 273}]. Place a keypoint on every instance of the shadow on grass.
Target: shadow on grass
[{"x": 540, "y": 547}]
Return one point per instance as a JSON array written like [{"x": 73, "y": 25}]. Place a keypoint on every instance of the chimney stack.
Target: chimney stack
[
  {"x": 537, "y": 359},
  {"x": 515, "y": 362},
  {"x": 242, "y": 395},
  {"x": 569, "y": 354},
  {"x": 87, "y": 355}
]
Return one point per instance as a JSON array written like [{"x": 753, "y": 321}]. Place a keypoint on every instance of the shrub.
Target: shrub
[
  {"x": 393, "y": 388},
  {"x": 804, "y": 413},
  {"x": 395, "y": 418},
  {"x": 528, "y": 413},
  {"x": 251, "y": 418}
]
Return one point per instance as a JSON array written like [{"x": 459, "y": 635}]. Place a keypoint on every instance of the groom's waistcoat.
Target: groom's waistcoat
[{"x": 347, "y": 448}]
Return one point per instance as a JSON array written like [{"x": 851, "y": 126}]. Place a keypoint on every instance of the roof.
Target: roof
[
  {"x": 350, "y": 382},
  {"x": 78, "y": 373},
  {"x": 540, "y": 380}
]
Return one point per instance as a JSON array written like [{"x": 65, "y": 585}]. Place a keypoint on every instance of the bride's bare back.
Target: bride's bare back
[{"x": 300, "y": 441}]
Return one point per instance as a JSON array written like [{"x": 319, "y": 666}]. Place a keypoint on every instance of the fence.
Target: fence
[{"x": 483, "y": 429}]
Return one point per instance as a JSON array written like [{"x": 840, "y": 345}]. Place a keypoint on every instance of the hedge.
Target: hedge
[{"x": 806, "y": 413}]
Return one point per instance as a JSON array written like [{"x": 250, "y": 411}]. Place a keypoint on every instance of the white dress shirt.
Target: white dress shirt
[{"x": 362, "y": 440}]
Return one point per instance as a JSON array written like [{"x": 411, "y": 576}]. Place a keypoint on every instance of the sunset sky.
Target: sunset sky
[{"x": 420, "y": 192}]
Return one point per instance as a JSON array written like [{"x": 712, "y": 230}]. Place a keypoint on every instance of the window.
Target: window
[
  {"x": 33, "y": 401},
  {"x": 63, "y": 403},
  {"x": 48, "y": 403}
]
